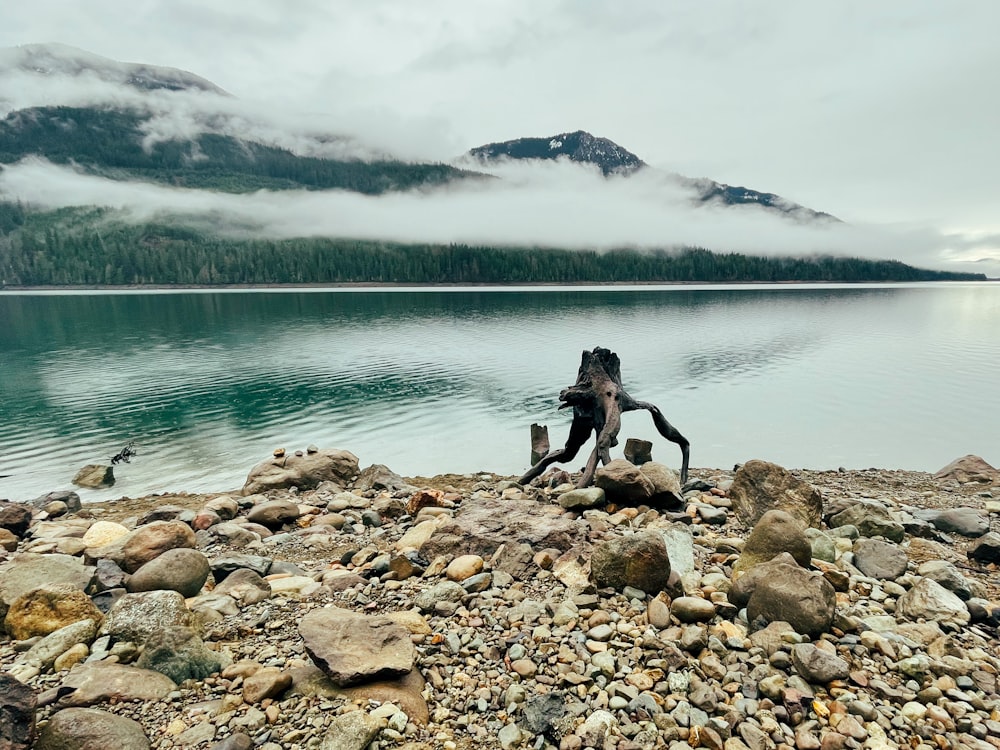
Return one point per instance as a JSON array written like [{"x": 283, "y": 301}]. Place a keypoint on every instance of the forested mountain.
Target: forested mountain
[
  {"x": 112, "y": 143},
  {"x": 95, "y": 247}
]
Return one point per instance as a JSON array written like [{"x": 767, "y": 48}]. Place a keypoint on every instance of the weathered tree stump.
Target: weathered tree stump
[
  {"x": 598, "y": 400},
  {"x": 539, "y": 442}
]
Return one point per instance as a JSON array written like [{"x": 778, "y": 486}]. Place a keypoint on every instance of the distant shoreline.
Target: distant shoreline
[{"x": 460, "y": 285}]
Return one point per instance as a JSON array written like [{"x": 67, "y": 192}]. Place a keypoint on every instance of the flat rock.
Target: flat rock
[
  {"x": 245, "y": 586},
  {"x": 352, "y": 648},
  {"x": 581, "y": 499},
  {"x": 406, "y": 691},
  {"x": 104, "y": 532},
  {"x": 52, "y": 646},
  {"x": 870, "y": 519},
  {"x": 482, "y": 525},
  {"x": 268, "y": 682},
  {"x": 101, "y": 682},
  {"x": 350, "y": 731},
  {"x": 985, "y": 549},
  {"x": 818, "y": 666},
  {"x": 967, "y": 522},
  {"x": 274, "y": 513},
  {"x": 880, "y": 559},
  {"x": 223, "y": 566}
]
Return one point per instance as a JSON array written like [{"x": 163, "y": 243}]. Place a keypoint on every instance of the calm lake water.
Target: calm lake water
[{"x": 209, "y": 383}]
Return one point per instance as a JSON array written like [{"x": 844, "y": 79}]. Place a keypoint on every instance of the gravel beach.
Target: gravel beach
[{"x": 326, "y": 606}]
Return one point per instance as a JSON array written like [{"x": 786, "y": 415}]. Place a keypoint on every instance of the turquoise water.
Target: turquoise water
[{"x": 428, "y": 381}]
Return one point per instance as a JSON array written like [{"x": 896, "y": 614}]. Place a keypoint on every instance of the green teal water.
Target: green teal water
[{"x": 209, "y": 383}]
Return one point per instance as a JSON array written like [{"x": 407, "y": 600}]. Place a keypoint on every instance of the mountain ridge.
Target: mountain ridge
[
  {"x": 615, "y": 160},
  {"x": 53, "y": 59}
]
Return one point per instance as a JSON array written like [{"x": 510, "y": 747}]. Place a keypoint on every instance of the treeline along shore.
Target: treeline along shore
[
  {"x": 323, "y": 605},
  {"x": 91, "y": 247}
]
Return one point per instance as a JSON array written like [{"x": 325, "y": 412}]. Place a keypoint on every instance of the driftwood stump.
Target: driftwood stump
[{"x": 598, "y": 400}]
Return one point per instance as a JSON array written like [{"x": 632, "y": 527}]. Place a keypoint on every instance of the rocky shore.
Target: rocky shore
[{"x": 325, "y": 606}]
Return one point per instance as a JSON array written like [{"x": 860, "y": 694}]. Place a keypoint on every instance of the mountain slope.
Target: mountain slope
[
  {"x": 113, "y": 143},
  {"x": 612, "y": 159}
]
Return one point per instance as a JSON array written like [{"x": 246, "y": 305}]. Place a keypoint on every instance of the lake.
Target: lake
[{"x": 208, "y": 383}]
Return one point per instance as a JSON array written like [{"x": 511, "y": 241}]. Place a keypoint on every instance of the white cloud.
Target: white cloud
[{"x": 549, "y": 204}]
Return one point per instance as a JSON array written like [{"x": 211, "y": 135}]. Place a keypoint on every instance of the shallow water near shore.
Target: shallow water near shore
[{"x": 207, "y": 383}]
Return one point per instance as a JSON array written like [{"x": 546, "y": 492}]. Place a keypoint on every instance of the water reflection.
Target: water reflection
[{"x": 449, "y": 381}]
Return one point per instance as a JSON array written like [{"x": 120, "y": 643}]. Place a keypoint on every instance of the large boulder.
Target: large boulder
[
  {"x": 667, "y": 489},
  {"x": 182, "y": 570},
  {"x": 969, "y": 469},
  {"x": 135, "y": 617},
  {"x": 14, "y": 517},
  {"x": 484, "y": 524},
  {"x": 147, "y": 542},
  {"x": 818, "y": 666},
  {"x": 95, "y": 476},
  {"x": 967, "y": 522},
  {"x": 880, "y": 559},
  {"x": 274, "y": 513},
  {"x": 352, "y": 648},
  {"x": 47, "y": 609},
  {"x": 91, "y": 729},
  {"x": 870, "y": 519},
  {"x": 760, "y": 486},
  {"x": 985, "y": 549},
  {"x": 101, "y": 533},
  {"x": 777, "y": 531},
  {"x": 179, "y": 653},
  {"x": 305, "y": 471},
  {"x": 623, "y": 482},
  {"x": 637, "y": 560},
  {"x": 245, "y": 586},
  {"x": 948, "y": 576},
  {"x": 930, "y": 601},
  {"x": 379, "y": 477},
  {"x": 803, "y": 599},
  {"x": 17, "y": 714}
]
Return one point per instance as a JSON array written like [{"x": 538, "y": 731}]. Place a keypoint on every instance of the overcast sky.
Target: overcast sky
[{"x": 884, "y": 114}]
